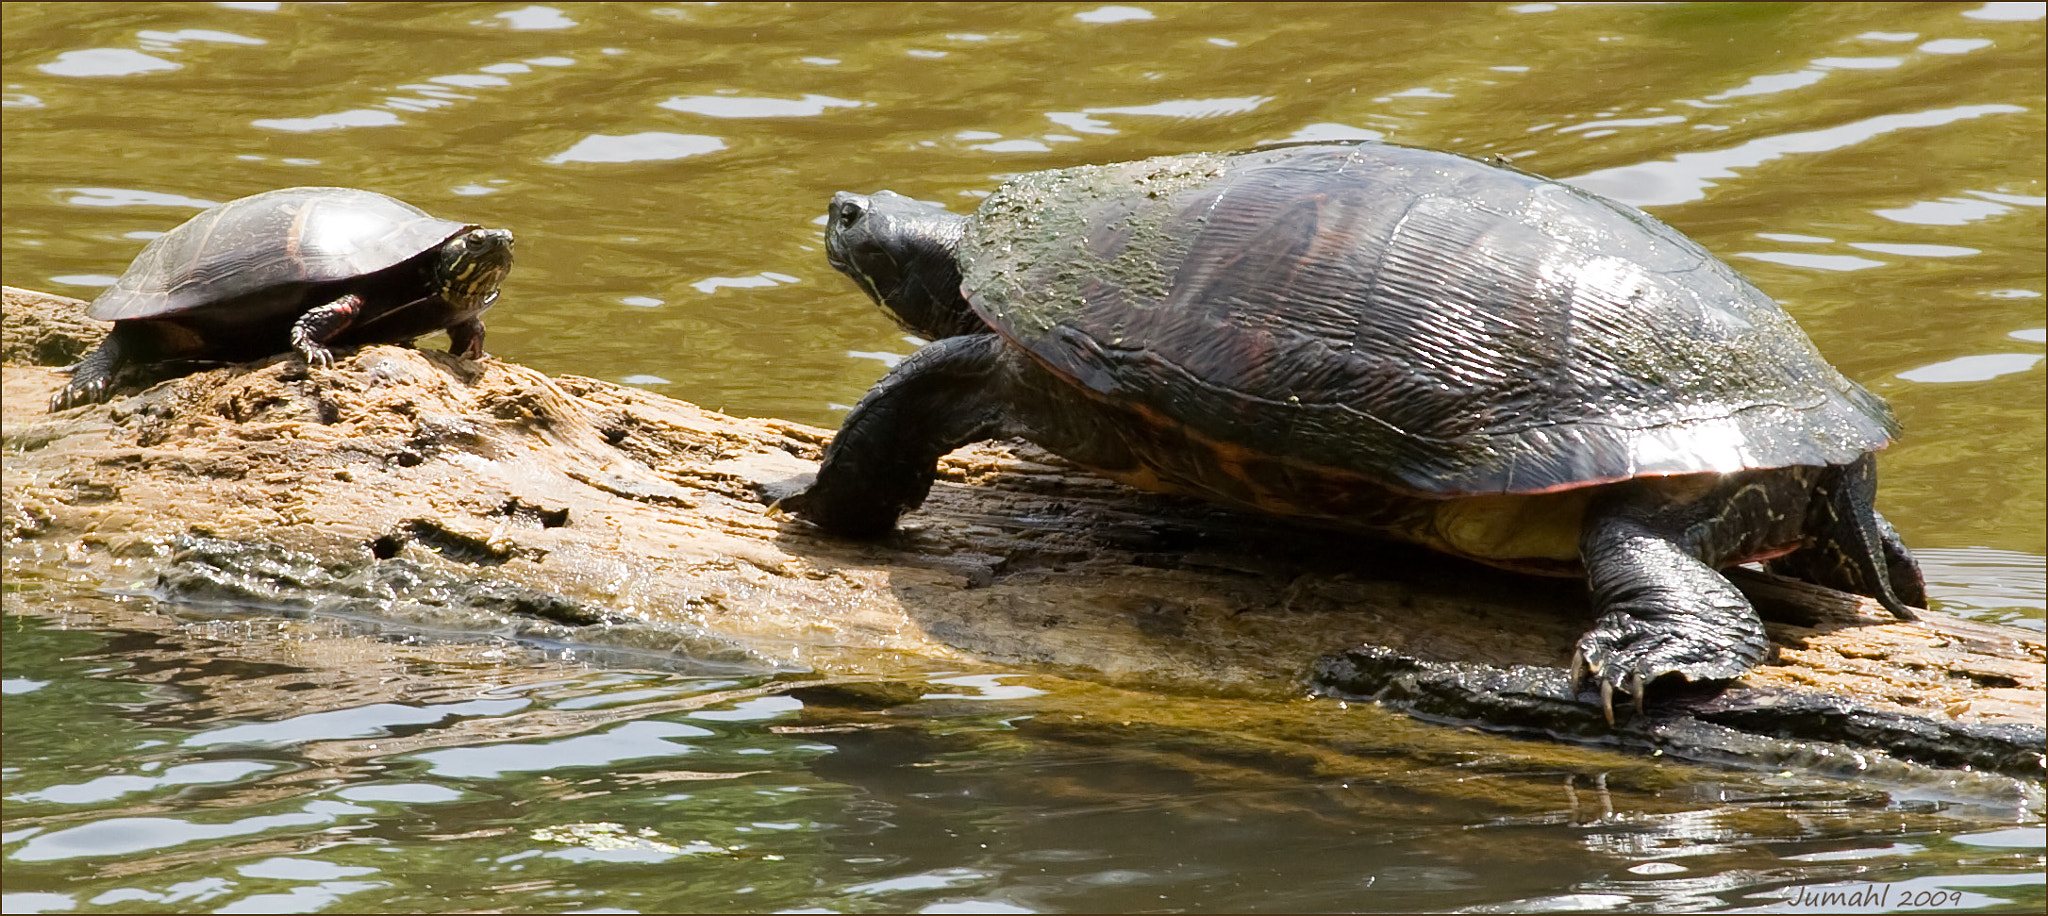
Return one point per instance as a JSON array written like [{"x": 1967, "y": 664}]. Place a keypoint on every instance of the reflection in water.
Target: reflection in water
[{"x": 529, "y": 775}]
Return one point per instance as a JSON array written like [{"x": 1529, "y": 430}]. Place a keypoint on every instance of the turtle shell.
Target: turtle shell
[
  {"x": 296, "y": 237},
  {"x": 1440, "y": 325}
]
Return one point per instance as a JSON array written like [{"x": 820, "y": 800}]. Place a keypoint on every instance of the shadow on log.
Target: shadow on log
[{"x": 416, "y": 485}]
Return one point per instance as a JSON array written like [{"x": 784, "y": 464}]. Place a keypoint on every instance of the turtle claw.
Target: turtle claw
[
  {"x": 317, "y": 356},
  {"x": 1631, "y": 683},
  {"x": 788, "y": 506},
  {"x": 78, "y": 393},
  {"x": 1625, "y": 658},
  {"x": 1585, "y": 665}
]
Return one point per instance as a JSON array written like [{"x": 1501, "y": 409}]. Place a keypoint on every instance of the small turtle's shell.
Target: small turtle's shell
[
  {"x": 1443, "y": 326},
  {"x": 296, "y": 237}
]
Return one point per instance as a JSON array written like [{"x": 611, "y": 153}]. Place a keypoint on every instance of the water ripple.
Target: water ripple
[
  {"x": 1110, "y": 14},
  {"x": 106, "y": 62},
  {"x": 629, "y": 741},
  {"x": 649, "y": 146},
  {"x": 355, "y": 117},
  {"x": 1980, "y": 368},
  {"x": 735, "y": 106},
  {"x": 109, "y": 788},
  {"x": 129, "y": 197},
  {"x": 355, "y": 722},
  {"x": 534, "y": 18},
  {"x": 2006, "y": 11},
  {"x": 1189, "y": 108},
  {"x": 122, "y": 836},
  {"x": 1687, "y": 176}
]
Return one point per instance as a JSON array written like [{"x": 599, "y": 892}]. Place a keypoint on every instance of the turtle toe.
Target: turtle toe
[
  {"x": 1634, "y": 647},
  {"x": 80, "y": 392},
  {"x": 1625, "y": 654}
]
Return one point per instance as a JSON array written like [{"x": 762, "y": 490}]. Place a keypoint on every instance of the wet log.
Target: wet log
[{"x": 415, "y": 485}]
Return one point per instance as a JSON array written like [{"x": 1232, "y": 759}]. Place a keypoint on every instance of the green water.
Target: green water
[{"x": 1878, "y": 168}]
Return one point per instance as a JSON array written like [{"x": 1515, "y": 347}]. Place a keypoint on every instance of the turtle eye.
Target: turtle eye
[{"x": 850, "y": 212}]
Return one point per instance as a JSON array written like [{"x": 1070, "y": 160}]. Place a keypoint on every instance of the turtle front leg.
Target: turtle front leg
[
  {"x": 1662, "y": 610},
  {"x": 314, "y": 329},
  {"x": 92, "y": 379},
  {"x": 882, "y": 461},
  {"x": 467, "y": 339}
]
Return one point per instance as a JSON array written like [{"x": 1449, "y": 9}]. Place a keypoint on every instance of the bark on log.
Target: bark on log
[{"x": 415, "y": 484}]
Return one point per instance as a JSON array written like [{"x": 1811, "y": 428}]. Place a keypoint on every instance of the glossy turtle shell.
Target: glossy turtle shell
[
  {"x": 297, "y": 238},
  {"x": 1443, "y": 326}
]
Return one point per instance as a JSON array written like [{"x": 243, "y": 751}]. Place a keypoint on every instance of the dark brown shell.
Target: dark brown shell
[
  {"x": 1442, "y": 325},
  {"x": 295, "y": 237}
]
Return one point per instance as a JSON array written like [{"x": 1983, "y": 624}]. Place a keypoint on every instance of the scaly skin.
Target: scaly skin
[
  {"x": 884, "y": 459},
  {"x": 1662, "y": 608},
  {"x": 321, "y": 324},
  {"x": 1854, "y": 549},
  {"x": 1651, "y": 548},
  {"x": 93, "y": 378}
]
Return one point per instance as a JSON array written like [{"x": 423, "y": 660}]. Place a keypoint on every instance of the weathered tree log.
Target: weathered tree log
[{"x": 408, "y": 483}]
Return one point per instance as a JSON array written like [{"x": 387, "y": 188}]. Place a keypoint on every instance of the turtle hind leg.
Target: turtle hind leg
[
  {"x": 882, "y": 461},
  {"x": 94, "y": 377},
  {"x": 1901, "y": 570},
  {"x": 1662, "y": 610},
  {"x": 1852, "y": 548}
]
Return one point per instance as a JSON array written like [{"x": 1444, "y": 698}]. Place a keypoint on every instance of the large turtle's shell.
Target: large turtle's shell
[
  {"x": 1444, "y": 326},
  {"x": 293, "y": 238}
]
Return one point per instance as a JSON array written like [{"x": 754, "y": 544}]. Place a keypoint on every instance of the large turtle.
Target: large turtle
[
  {"x": 298, "y": 269},
  {"x": 1482, "y": 361}
]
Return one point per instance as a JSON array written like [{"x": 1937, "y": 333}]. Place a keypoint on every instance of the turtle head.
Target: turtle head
[
  {"x": 902, "y": 252},
  {"x": 471, "y": 267}
]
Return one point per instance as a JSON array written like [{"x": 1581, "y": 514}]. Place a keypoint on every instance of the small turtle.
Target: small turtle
[
  {"x": 297, "y": 269},
  {"x": 1485, "y": 362}
]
